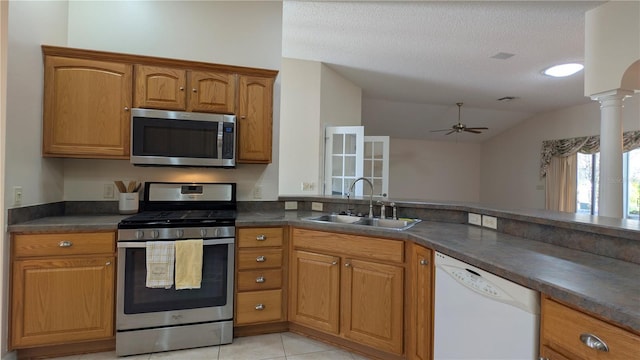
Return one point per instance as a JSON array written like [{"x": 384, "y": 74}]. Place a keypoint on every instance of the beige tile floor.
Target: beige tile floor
[{"x": 283, "y": 346}]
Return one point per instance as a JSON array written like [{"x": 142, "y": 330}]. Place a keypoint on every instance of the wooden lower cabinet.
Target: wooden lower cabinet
[
  {"x": 260, "y": 268},
  {"x": 62, "y": 288},
  {"x": 420, "y": 315},
  {"x": 315, "y": 298},
  {"x": 563, "y": 332},
  {"x": 336, "y": 288}
]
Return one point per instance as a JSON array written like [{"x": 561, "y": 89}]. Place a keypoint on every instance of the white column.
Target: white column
[{"x": 611, "y": 181}]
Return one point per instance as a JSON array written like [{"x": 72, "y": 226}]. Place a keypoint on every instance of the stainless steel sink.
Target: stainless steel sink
[{"x": 393, "y": 224}]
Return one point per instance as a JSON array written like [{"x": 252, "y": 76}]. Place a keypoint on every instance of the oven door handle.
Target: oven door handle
[{"x": 142, "y": 244}]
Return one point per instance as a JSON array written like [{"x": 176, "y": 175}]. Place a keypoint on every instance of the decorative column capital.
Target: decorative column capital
[{"x": 617, "y": 94}]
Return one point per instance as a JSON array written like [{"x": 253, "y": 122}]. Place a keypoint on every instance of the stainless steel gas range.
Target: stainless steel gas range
[{"x": 150, "y": 319}]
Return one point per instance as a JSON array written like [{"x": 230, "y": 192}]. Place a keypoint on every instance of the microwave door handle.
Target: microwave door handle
[{"x": 220, "y": 137}]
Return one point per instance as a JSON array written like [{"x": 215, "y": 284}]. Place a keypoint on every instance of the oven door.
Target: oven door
[{"x": 139, "y": 307}]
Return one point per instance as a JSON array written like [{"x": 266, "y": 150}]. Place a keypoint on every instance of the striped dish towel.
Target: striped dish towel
[{"x": 160, "y": 259}]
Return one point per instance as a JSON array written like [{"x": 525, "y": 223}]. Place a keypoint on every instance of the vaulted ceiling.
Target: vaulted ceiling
[{"x": 415, "y": 60}]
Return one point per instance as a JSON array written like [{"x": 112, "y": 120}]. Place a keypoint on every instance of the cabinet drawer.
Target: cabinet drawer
[
  {"x": 349, "y": 245},
  {"x": 25, "y": 245},
  {"x": 259, "y": 237},
  {"x": 251, "y": 280},
  {"x": 259, "y": 258},
  {"x": 563, "y": 326},
  {"x": 259, "y": 306}
]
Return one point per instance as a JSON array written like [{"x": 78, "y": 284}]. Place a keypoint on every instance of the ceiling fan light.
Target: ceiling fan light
[{"x": 563, "y": 70}]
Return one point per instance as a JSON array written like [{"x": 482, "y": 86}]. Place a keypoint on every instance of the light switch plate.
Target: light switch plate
[
  {"x": 489, "y": 221},
  {"x": 316, "y": 206},
  {"x": 475, "y": 219}
]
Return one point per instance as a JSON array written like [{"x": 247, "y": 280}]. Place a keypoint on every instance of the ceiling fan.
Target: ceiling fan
[{"x": 459, "y": 127}]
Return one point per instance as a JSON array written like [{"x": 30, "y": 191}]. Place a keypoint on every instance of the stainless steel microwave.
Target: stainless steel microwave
[{"x": 176, "y": 138}]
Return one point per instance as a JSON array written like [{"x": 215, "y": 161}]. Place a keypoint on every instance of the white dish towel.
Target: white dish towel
[{"x": 160, "y": 260}]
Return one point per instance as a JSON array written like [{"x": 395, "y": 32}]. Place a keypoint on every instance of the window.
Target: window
[{"x": 588, "y": 183}]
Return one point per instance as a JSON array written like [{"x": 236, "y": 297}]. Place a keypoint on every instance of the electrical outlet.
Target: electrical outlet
[
  {"x": 308, "y": 186},
  {"x": 489, "y": 221},
  {"x": 291, "y": 205},
  {"x": 316, "y": 206},
  {"x": 475, "y": 219},
  {"x": 257, "y": 192},
  {"x": 108, "y": 192},
  {"x": 17, "y": 195}
]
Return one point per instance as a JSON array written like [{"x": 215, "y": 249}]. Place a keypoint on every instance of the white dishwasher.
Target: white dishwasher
[{"x": 479, "y": 315}]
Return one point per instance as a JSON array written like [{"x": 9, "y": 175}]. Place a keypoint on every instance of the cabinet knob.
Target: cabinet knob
[
  {"x": 424, "y": 262},
  {"x": 261, "y": 237},
  {"x": 181, "y": 88},
  {"x": 260, "y": 307},
  {"x": 126, "y": 108},
  {"x": 65, "y": 243},
  {"x": 347, "y": 264},
  {"x": 261, "y": 258},
  {"x": 194, "y": 90},
  {"x": 243, "y": 117},
  {"x": 260, "y": 279},
  {"x": 594, "y": 342},
  {"x": 108, "y": 263},
  {"x": 334, "y": 262}
]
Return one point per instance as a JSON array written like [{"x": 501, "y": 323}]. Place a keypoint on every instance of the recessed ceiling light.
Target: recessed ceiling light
[{"x": 563, "y": 70}]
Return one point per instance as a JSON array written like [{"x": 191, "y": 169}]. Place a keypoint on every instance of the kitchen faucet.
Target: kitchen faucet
[{"x": 370, "y": 195}]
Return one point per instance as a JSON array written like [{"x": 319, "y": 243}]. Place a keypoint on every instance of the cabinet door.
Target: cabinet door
[
  {"x": 212, "y": 92},
  {"x": 419, "y": 346},
  {"x": 547, "y": 354},
  {"x": 315, "y": 286},
  {"x": 255, "y": 120},
  {"x": 160, "y": 88},
  {"x": 372, "y": 304},
  {"x": 62, "y": 300},
  {"x": 86, "y": 108}
]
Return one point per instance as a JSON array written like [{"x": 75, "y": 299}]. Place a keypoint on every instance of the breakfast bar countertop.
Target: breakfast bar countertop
[{"x": 606, "y": 287}]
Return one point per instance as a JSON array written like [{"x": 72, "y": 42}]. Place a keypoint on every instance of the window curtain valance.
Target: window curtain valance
[{"x": 584, "y": 144}]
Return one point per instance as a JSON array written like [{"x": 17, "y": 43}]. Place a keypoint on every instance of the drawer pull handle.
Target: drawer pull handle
[
  {"x": 261, "y": 258},
  {"x": 260, "y": 307},
  {"x": 65, "y": 243},
  {"x": 261, "y": 237},
  {"x": 594, "y": 342},
  {"x": 424, "y": 262},
  {"x": 260, "y": 279}
]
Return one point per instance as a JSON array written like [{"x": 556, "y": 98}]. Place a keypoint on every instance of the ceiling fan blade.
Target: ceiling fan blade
[
  {"x": 451, "y": 132},
  {"x": 471, "y": 130},
  {"x": 441, "y": 130},
  {"x": 478, "y": 128}
]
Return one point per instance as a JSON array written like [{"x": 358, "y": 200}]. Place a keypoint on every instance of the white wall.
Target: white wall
[
  {"x": 31, "y": 23},
  {"x": 313, "y": 96},
  {"x": 300, "y": 135},
  {"x": 510, "y": 175},
  {"x": 236, "y": 33},
  {"x": 340, "y": 100},
  {"x": 433, "y": 170}
]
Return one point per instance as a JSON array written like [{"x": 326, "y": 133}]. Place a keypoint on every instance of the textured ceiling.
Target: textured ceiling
[{"x": 415, "y": 60}]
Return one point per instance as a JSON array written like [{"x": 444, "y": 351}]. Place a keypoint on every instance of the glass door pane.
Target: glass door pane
[{"x": 343, "y": 159}]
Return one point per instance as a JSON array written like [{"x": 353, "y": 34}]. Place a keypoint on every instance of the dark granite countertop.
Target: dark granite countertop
[{"x": 601, "y": 285}]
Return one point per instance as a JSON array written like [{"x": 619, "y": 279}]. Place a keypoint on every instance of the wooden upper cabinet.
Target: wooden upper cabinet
[
  {"x": 212, "y": 92},
  {"x": 86, "y": 108},
  {"x": 160, "y": 88},
  {"x": 185, "y": 90},
  {"x": 255, "y": 119}
]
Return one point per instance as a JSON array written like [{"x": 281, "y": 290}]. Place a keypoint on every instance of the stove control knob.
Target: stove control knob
[
  {"x": 203, "y": 232},
  {"x": 139, "y": 234},
  {"x": 179, "y": 233},
  {"x": 154, "y": 234}
]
